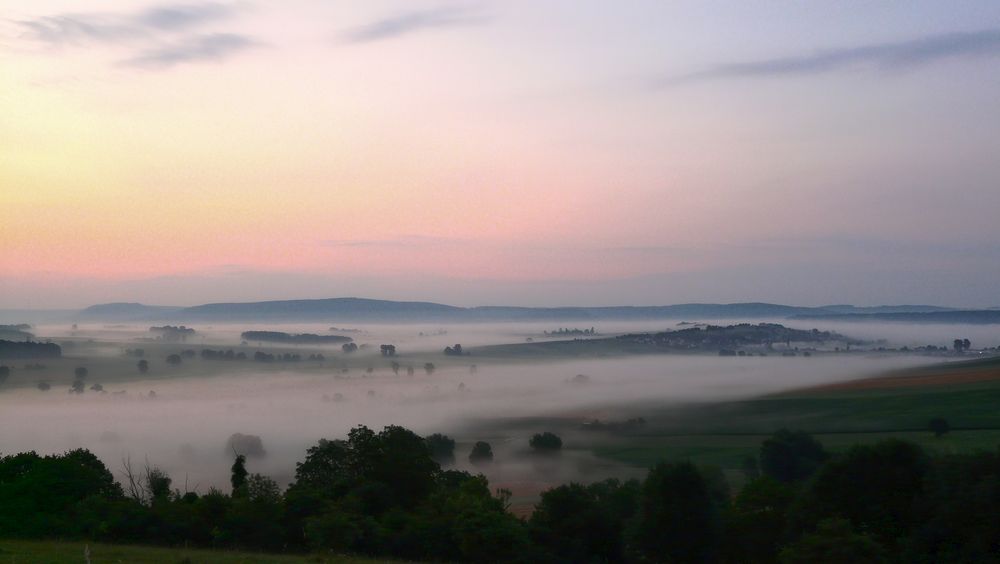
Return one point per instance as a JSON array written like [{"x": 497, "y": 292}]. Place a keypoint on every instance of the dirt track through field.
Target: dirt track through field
[{"x": 943, "y": 376}]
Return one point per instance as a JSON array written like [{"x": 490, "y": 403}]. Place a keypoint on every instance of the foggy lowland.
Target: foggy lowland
[{"x": 564, "y": 282}]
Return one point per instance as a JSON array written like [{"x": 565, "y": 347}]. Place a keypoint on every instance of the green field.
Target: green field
[
  {"x": 722, "y": 434},
  {"x": 57, "y": 552}
]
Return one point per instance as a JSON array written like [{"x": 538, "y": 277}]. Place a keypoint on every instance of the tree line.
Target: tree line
[{"x": 385, "y": 494}]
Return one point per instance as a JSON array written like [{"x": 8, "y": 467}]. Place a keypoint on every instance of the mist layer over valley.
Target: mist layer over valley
[{"x": 179, "y": 417}]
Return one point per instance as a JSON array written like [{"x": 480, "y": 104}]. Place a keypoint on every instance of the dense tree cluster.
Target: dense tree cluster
[
  {"x": 209, "y": 354},
  {"x": 383, "y": 494},
  {"x": 562, "y": 331},
  {"x": 961, "y": 345},
  {"x": 29, "y": 349},
  {"x": 279, "y": 357},
  {"x": 172, "y": 332},
  {"x": 290, "y": 338}
]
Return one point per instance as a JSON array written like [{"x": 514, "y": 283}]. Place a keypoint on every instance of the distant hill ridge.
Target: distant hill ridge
[{"x": 362, "y": 309}]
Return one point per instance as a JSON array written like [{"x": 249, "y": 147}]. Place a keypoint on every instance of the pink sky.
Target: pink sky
[{"x": 470, "y": 152}]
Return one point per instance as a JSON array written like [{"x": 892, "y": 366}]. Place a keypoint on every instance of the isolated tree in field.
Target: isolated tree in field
[
  {"x": 77, "y": 387},
  {"x": 246, "y": 445},
  {"x": 961, "y": 345},
  {"x": 238, "y": 475},
  {"x": 429, "y": 368},
  {"x": 545, "y": 442},
  {"x": 174, "y": 359},
  {"x": 939, "y": 426},
  {"x": 482, "y": 453},
  {"x": 80, "y": 372},
  {"x": 790, "y": 456},
  {"x": 395, "y": 368},
  {"x": 44, "y": 386},
  {"x": 143, "y": 366}
]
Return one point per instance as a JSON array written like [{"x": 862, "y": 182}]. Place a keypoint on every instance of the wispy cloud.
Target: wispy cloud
[
  {"x": 158, "y": 37},
  {"x": 413, "y": 21},
  {"x": 211, "y": 47},
  {"x": 182, "y": 16},
  {"x": 70, "y": 29},
  {"x": 902, "y": 55}
]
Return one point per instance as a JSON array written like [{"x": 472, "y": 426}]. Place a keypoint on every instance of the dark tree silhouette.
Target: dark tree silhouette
[
  {"x": 789, "y": 456},
  {"x": 939, "y": 426},
  {"x": 238, "y": 476},
  {"x": 442, "y": 447},
  {"x": 143, "y": 366},
  {"x": 80, "y": 372},
  {"x": 546, "y": 442},
  {"x": 174, "y": 359},
  {"x": 481, "y": 453},
  {"x": 678, "y": 520}
]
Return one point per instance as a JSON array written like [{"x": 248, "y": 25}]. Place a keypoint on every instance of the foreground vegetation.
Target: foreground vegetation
[
  {"x": 384, "y": 495},
  {"x": 63, "y": 552}
]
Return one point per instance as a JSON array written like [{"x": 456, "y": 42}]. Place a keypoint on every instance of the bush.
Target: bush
[
  {"x": 791, "y": 456},
  {"x": 441, "y": 447},
  {"x": 482, "y": 453},
  {"x": 939, "y": 426}
]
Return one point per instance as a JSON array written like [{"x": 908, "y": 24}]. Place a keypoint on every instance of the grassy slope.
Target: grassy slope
[{"x": 52, "y": 552}]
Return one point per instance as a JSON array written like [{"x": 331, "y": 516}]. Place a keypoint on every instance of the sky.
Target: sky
[{"x": 517, "y": 153}]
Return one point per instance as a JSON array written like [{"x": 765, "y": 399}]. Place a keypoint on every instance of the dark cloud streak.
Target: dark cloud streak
[
  {"x": 63, "y": 29},
  {"x": 182, "y": 16},
  {"x": 211, "y": 47},
  {"x": 410, "y": 22},
  {"x": 885, "y": 57}
]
